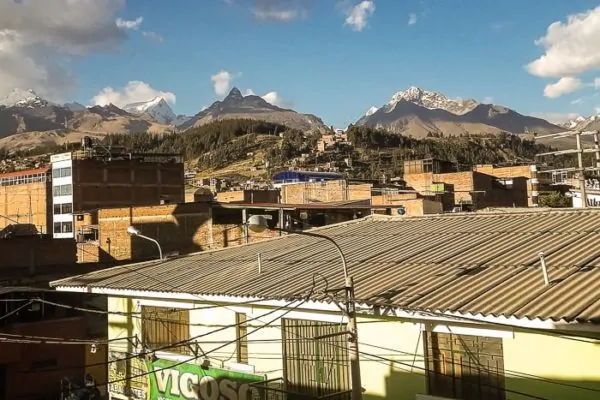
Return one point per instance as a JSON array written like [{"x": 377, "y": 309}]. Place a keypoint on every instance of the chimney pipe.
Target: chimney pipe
[{"x": 544, "y": 269}]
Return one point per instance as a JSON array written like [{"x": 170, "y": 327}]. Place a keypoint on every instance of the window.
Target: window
[
  {"x": 61, "y": 172},
  {"x": 315, "y": 357},
  {"x": 62, "y": 190},
  {"x": 242, "y": 339},
  {"x": 63, "y": 227},
  {"x": 162, "y": 326},
  {"x": 66, "y": 208},
  {"x": 464, "y": 367}
]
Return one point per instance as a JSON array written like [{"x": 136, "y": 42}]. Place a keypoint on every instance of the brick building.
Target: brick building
[
  {"x": 191, "y": 227},
  {"x": 326, "y": 191},
  {"x": 473, "y": 189},
  {"x": 248, "y": 196},
  {"x": 88, "y": 180},
  {"x": 23, "y": 200}
]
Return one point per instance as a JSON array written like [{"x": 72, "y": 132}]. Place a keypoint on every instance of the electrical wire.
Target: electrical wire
[
  {"x": 172, "y": 345},
  {"x": 16, "y": 310},
  {"x": 205, "y": 354}
]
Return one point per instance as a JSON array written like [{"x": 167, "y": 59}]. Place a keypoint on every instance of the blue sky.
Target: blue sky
[{"x": 320, "y": 60}]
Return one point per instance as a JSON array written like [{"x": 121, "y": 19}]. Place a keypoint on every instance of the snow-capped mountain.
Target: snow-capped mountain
[
  {"x": 158, "y": 109},
  {"x": 583, "y": 123},
  {"x": 432, "y": 101},
  {"x": 371, "y": 111},
  {"x": 23, "y": 98},
  {"x": 419, "y": 112}
]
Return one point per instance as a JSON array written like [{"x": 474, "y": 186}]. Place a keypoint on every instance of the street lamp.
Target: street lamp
[
  {"x": 133, "y": 231},
  {"x": 259, "y": 223}
]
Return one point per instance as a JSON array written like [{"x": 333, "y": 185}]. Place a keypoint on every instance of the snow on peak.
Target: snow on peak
[
  {"x": 157, "y": 108},
  {"x": 432, "y": 101},
  {"x": 371, "y": 111},
  {"x": 23, "y": 98}
]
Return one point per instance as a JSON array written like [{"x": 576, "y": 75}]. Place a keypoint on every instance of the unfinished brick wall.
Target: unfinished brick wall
[
  {"x": 122, "y": 182},
  {"x": 412, "y": 207},
  {"x": 248, "y": 196},
  {"x": 182, "y": 228},
  {"x": 311, "y": 192},
  {"x": 517, "y": 171},
  {"x": 27, "y": 204},
  {"x": 29, "y": 252}
]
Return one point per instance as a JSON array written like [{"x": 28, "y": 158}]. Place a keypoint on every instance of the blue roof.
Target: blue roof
[{"x": 305, "y": 175}]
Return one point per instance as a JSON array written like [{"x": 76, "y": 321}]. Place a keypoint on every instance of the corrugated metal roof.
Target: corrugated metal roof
[{"x": 476, "y": 264}]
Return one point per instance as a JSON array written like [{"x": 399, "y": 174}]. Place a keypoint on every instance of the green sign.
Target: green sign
[{"x": 170, "y": 381}]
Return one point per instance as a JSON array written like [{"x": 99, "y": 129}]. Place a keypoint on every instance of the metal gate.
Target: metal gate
[{"x": 315, "y": 365}]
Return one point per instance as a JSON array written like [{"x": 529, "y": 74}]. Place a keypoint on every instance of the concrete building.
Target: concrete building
[
  {"x": 23, "y": 200},
  {"x": 457, "y": 306},
  {"x": 91, "y": 179}
]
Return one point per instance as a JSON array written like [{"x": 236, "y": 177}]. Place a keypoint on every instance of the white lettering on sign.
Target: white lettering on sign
[
  {"x": 186, "y": 385},
  {"x": 60, "y": 157},
  {"x": 190, "y": 386},
  {"x": 207, "y": 393}
]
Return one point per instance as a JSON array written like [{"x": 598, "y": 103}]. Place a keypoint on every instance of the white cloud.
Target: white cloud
[
  {"x": 557, "y": 118},
  {"x": 564, "y": 85},
  {"x": 577, "y": 101},
  {"x": 412, "y": 19},
  {"x": 282, "y": 15},
  {"x": 133, "y": 92},
  {"x": 36, "y": 38},
  {"x": 358, "y": 15},
  {"x": 571, "y": 48},
  {"x": 280, "y": 10},
  {"x": 276, "y": 100},
  {"x": 597, "y": 83},
  {"x": 153, "y": 36},
  {"x": 222, "y": 82},
  {"x": 272, "y": 98},
  {"x": 488, "y": 100},
  {"x": 129, "y": 24}
]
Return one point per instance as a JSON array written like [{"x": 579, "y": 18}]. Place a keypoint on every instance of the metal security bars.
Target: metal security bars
[{"x": 315, "y": 357}]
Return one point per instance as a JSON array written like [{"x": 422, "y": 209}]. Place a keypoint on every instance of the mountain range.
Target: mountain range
[
  {"x": 419, "y": 112},
  {"x": 27, "y": 119},
  {"x": 591, "y": 123}
]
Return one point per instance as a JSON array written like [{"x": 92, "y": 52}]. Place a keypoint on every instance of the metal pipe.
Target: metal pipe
[
  {"x": 544, "y": 268},
  {"x": 581, "y": 172},
  {"x": 259, "y": 263}
]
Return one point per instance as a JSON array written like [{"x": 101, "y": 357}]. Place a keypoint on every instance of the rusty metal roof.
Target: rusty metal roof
[{"x": 472, "y": 264}]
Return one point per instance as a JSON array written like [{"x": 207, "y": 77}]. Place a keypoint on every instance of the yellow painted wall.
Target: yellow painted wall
[
  {"x": 561, "y": 360},
  {"x": 525, "y": 355}
]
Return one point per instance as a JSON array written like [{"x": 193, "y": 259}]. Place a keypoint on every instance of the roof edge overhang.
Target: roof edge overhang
[{"x": 364, "y": 310}]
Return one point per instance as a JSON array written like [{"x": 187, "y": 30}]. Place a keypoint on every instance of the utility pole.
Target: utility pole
[{"x": 581, "y": 169}]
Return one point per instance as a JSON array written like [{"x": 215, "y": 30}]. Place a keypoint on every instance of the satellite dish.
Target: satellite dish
[{"x": 401, "y": 211}]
